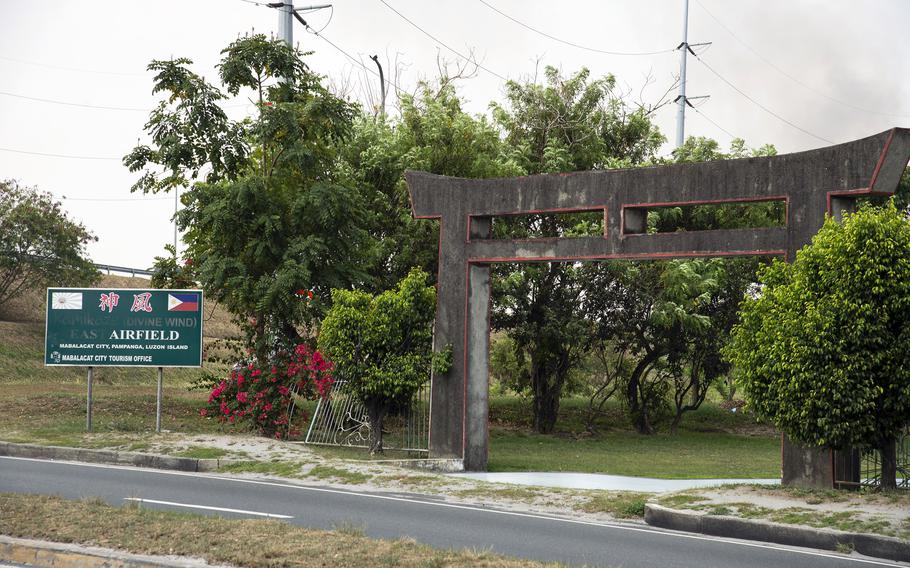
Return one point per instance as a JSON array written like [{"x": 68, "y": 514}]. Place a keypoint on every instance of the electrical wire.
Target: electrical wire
[
  {"x": 58, "y": 155},
  {"x": 566, "y": 42},
  {"x": 94, "y": 107},
  {"x": 796, "y": 80},
  {"x": 719, "y": 127},
  {"x": 66, "y": 103},
  {"x": 331, "y": 15},
  {"x": 73, "y": 69},
  {"x": 456, "y": 52},
  {"x": 759, "y": 105},
  {"x": 351, "y": 57},
  {"x": 117, "y": 199}
]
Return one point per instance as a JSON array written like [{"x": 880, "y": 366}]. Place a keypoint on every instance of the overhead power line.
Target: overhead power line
[
  {"x": 67, "y": 103},
  {"x": 356, "y": 61},
  {"x": 94, "y": 107},
  {"x": 569, "y": 43},
  {"x": 117, "y": 199},
  {"x": 761, "y": 106},
  {"x": 443, "y": 44},
  {"x": 719, "y": 127},
  {"x": 796, "y": 80},
  {"x": 73, "y": 69},
  {"x": 47, "y": 154}
]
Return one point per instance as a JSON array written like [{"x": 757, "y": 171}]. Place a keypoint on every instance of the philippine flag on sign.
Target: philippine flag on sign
[{"x": 183, "y": 302}]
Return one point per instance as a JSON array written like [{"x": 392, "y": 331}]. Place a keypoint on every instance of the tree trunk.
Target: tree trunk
[
  {"x": 376, "y": 413},
  {"x": 546, "y": 409},
  {"x": 642, "y": 419},
  {"x": 888, "y": 450},
  {"x": 674, "y": 426},
  {"x": 547, "y": 383},
  {"x": 638, "y": 402}
]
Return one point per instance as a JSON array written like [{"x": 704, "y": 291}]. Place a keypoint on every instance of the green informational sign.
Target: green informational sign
[{"x": 97, "y": 327}]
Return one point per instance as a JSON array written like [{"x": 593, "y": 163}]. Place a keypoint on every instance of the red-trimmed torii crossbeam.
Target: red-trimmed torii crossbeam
[{"x": 811, "y": 184}]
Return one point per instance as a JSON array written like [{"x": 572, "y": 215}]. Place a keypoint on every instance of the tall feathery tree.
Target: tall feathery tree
[{"x": 270, "y": 222}]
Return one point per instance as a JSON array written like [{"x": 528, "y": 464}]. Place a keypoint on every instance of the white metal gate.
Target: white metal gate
[{"x": 341, "y": 420}]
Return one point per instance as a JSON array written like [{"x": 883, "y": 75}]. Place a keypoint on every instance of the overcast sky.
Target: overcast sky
[{"x": 836, "y": 70}]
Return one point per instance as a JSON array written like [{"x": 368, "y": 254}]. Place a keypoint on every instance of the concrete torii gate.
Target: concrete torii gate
[{"x": 811, "y": 184}]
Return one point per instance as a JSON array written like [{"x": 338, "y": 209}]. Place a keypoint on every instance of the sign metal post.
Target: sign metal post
[
  {"x": 88, "y": 403},
  {"x": 158, "y": 406}
]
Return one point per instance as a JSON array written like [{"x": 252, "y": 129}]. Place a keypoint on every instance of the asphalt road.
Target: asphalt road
[{"x": 433, "y": 522}]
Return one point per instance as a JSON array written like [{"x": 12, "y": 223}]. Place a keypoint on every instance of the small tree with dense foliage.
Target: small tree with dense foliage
[
  {"x": 824, "y": 349},
  {"x": 39, "y": 244},
  {"x": 381, "y": 345}
]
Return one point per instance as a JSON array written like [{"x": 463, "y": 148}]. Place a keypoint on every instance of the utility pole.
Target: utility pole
[
  {"x": 286, "y": 14},
  {"x": 286, "y": 22},
  {"x": 682, "y": 100},
  {"x": 176, "y": 208}
]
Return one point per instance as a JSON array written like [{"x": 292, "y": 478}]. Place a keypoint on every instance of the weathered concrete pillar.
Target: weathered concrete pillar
[
  {"x": 447, "y": 392},
  {"x": 805, "y": 467},
  {"x": 478, "y": 364}
]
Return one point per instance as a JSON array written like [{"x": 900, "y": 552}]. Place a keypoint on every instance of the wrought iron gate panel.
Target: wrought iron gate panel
[
  {"x": 341, "y": 420},
  {"x": 863, "y": 467}
]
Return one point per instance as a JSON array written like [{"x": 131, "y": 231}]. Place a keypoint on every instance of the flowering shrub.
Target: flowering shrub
[{"x": 261, "y": 395}]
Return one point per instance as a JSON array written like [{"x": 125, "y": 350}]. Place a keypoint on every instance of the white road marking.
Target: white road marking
[
  {"x": 631, "y": 528},
  {"x": 207, "y": 508}
]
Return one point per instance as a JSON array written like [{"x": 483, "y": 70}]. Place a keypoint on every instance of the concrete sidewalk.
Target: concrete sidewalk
[{"x": 606, "y": 482}]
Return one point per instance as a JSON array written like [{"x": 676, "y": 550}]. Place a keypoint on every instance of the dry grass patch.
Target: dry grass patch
[
  {"x": 620, "y": 504},
  {"x": 253, "y": 543},
  {"x": 870, "y": 512}
]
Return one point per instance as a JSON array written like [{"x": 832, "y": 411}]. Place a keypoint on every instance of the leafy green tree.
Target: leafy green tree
[
  {"x": 433, "y": 134},
  {"x": 273, "y": 219},
  {"x": 381, "y": 345},
  {"x": 567, "y": 124},
  {"x": 659, "y": 315},
  {"x": 168, "y": 272},
  {"x": 39, "y": 244},
  {"x": 824, "y": 349}
]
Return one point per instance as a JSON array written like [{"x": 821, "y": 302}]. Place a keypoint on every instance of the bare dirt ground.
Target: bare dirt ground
[{"x": 298, "y": 463}]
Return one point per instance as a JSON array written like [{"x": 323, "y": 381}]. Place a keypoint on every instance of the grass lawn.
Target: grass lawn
[
  {"x": 686, "y": 455},
  {"x": 55, "y": 415},
  {"x": 711, "y": 443}
]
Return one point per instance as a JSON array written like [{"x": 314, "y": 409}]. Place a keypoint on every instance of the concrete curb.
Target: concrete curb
[
  {"x": 793, "y": 535},
  {"x": 58, "y": 555},
  {"x": 111, "y": 457}
]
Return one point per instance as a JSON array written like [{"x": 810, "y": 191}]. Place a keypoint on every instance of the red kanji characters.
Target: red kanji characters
[
  {"x": 109, "y": 302},
  {"x": 142, "y": 302}
]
